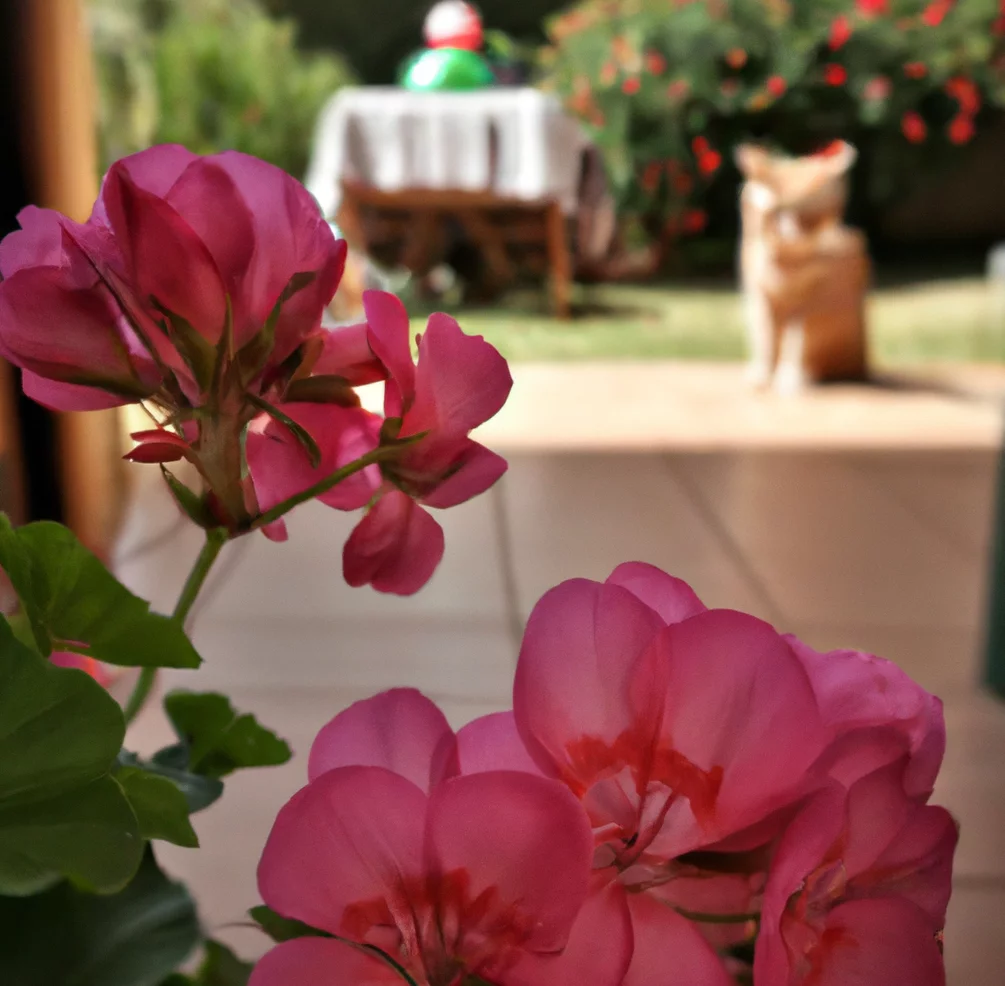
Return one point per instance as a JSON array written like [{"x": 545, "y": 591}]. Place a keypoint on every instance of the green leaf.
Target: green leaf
[
  {"x": 60, "y": 812},
  {"x": 219, "y": 739},
  {"x": 172, "y": 762},
  {"x": 74, "y": 603},
  {"x": 191, "y": 503},
  {"x": 281, "y": 929},
  {"x": 160, "y": 806},
  {"x": 299, "y": 432},
  {"x": 198, "y": 352},
  {"x": 68, "y": 938},
  {"x": 220, "y": 967}
]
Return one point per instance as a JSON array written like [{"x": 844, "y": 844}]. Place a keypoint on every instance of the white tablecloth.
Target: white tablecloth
[{"x": 395, "y": 139}]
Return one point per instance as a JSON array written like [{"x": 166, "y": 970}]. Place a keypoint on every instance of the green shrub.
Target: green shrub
[
  {"x": 209, "y": 74},
  {"x": 669, "y": 87}
]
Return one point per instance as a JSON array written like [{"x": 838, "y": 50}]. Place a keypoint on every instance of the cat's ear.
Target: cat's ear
[
  {"x": 839, "y": 157},
  {"x": 753, "y": 161}
]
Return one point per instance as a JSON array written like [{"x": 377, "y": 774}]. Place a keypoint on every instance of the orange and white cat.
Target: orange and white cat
[{"x": 804, "y": 273}]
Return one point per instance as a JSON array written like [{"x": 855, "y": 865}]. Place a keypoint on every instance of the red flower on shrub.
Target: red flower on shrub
[
  {"x": 700, "y": 145},
  {"x": 873, "y": 8},
  {"x": 935, "y": 13},
  {"x": 835, "y": 75},
  {"x": 915, "y": 70},
  {"x": 709, "y": 163},
  {"x": 608, "y": 73},
  {"x": 694, "y": 221},
  {"x": 631, "y": 86},
  {"x": 651, "y": 177},
  {"x": 841, "y": 31},
  {"x": 681, "y": 181},
  {"x": 913, "y": 127},
  {"x": 736, "y": 58},
  {"x": 961, "y": 130},
  {"x": 655, "y": 63},
  {"x": 966, "y": 93},
  {"x": 729, "y": 88},
  {"x": 777, "y": 86}
]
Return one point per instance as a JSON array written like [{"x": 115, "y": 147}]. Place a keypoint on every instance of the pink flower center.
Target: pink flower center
[
  {"x": 439, "y": 930},
  {"x": 629, "y": 786}
]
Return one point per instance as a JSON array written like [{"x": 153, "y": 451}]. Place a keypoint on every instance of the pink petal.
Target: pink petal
[
  {"x": 737, "y": 701},
  {"x": 859, "y": 691},
  {"x": 68, "y": 659},
  {"x": 877, "y": 941},
  {"x": 351, "y": 836},
  {"x": 167, "y": 260},
  {"x": 672, "y": 598},
  {"x": 346, "y": 353},
  {"x": 67, "y": 396},
  {"x": 62, "y": 333},
  {"x": 400, "y": 729},
  {"x": 155, "y": 169},
  {"x": 158, "y": 445},
  {"x": 579, "y": 677},
  {"x": 598, "y": 952},
  {"x": 203, "y": 193},
  {"x": 525, "y": 838},
  {"x": 321, "y": 962},
  {"x": 478, "y": 469},
  {"x": 387, "y": 322},
  {"x": 290, "y": 237},
  {"x": 460, "y": 381},
  {"x": 918, "y": 865},
  {"x": 395, "y": 547},
  {"x": 492, "y": 743},
  {"x": 804, "y": 846},
  {"x": 669, "y": 948},
  {"x": 38, "y": 243},
  {"x": 280, "y": 466},
  {"x": 276, "y": 531}
]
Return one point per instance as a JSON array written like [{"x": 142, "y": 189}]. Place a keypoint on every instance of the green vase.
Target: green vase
[{"x": 446, "y": 69}]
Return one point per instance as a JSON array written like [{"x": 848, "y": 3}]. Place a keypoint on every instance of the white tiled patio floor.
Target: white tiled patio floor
[{"x": 884, "y": 551}]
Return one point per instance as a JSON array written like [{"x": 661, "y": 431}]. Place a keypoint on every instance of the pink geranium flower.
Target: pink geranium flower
[
  {"x": 116, "y": 306},
  {"x": 483, "y": 876},
  {"x": 459, "y": 382},
  {"x": 858, "y": 890},
  {"x": 677, "y": 726}
]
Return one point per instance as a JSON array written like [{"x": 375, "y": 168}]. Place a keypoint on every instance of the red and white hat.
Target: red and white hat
[{"x": 453, "y": 24}]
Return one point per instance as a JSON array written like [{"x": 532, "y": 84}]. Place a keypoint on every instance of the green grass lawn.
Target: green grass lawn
[{"x": 934, "y": 321}]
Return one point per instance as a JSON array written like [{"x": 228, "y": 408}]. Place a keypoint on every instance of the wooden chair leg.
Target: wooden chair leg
[{"x": 559, "y": 259}]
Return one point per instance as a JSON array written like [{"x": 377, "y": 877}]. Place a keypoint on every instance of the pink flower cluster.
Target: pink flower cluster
[
  {"x": 197, "y": 286},
  {"x": 679, "y": 795}
]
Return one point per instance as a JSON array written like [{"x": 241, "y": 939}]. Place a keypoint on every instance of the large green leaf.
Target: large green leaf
[
  {"x": 220, "y": 740},
  {"x": 60, "y": 812},
  {"x": 65, "y": 937},
  {"x": 160, "y": 806},
  {"x": 74, "y": 603}
]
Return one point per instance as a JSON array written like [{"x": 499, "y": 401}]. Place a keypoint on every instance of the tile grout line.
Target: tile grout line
[
  {"x": 508, "y": 573},
  {"x": 924, "y": 517},
  {"x": 732, "y": 549}
]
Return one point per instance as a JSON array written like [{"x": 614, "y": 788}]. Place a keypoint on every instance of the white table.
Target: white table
[{"x": 517, "y": 143}]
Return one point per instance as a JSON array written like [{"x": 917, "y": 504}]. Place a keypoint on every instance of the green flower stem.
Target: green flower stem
[
  {"x": 332, "y": 479},
  {"x": 216, "y": 538},
  {"x": 702, "y": 918}
]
